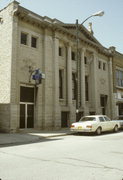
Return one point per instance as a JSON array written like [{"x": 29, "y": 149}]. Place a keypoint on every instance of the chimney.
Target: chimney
[{"x": 90, "y": 28}]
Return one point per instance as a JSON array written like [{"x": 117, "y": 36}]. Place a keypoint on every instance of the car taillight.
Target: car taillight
[
  {"x": 72, "y": 126},
  {"x": 89, "y": 126}
]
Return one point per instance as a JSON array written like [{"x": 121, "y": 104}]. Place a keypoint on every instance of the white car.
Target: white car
[
  {"x": 120, "y": 122},
  {"x": 95, "y": 123}
]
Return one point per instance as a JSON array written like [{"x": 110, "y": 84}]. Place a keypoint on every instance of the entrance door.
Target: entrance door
[
  {"x": 22, "y": 115},
  {"x": 26, "y": 115},
  {"x": 30, "y": 116},
  {"x": 26, "y": 107},
  {"x": 103, "y": 103},
  {"x": 64, "y": 119}
]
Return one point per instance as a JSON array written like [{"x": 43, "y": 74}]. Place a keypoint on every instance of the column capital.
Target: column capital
[
  {"x": 68, "y": 44},
  {"x": 83, "y": 49}
]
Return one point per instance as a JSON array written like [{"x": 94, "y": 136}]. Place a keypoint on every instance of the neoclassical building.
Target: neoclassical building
[{"x": 30, "y": 42}]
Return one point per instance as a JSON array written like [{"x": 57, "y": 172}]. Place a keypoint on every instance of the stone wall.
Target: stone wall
[
  {"x": 4, "y": 117},
  {"x": 6, "y": 37}
]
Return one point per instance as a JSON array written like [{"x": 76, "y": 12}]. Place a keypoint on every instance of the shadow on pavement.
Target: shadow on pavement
[
  {"x": 29, "y": 139},
  {"x": 94, "y": 134}
]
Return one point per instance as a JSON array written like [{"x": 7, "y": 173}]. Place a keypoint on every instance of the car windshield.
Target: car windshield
[{"x": 88, "y": 119}]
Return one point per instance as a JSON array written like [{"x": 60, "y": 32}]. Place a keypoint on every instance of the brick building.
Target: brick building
[{"x": 30, "y": 42}]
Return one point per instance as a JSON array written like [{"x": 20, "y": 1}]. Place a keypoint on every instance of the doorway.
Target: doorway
[
  {"x": 64, "y": 119},
  {"x": 103, "y": 103},
  {"x": 26, "y": 115},
  {"x": 26, "y": 107}
]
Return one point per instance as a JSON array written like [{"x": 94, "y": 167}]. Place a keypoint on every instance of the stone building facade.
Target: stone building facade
[
  {"x": 30, "y": 42},
  {"x": 117, "y": 65}
]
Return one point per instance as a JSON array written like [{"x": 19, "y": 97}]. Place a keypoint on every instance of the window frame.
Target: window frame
[
  {"x": 61, "y": 83},
  {"x": 73, "y": 55},
  {"x": 85, "y": 59},
  {"x": 74, "y": 86},
  {"x": 119, "y": 78},
  {"x": 24, "y": 41},
  {"x": 60, "y": 51},
  {"x": 86, "y": 88},
  {"x": 104, "y": 66},
  {"x": 34, "y": 37},
  {"x": 99, "y": 64}
]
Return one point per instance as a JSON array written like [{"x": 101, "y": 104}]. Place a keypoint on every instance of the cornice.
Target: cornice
[{"x": 44, "y": 22}]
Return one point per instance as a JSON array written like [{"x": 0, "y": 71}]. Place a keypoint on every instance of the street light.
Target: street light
[{"x": 100, "y": 13}]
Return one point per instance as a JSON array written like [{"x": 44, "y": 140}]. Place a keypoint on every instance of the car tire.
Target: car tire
[
  {"x": 116, "y": 128},
  {"x": 99, "y": 130}
]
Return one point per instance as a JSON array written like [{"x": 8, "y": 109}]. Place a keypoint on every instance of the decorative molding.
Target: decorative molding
[
  {"x": 102, "y": 81},
  {"x": 28, "y": 64}
]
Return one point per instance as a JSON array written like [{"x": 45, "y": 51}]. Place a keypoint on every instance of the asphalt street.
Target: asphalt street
[{"x": 71, "y": 157}]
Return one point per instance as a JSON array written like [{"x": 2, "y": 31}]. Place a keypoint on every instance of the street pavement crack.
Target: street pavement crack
[
  {"x": 98, "y": 164},
  {"x": 60, "y": 161}
]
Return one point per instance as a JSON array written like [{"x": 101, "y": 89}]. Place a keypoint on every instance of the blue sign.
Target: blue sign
[{"x": 37, "y": 76}]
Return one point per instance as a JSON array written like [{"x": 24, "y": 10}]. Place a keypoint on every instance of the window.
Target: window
[
  {"x": 73, "y": 55},
  {"x": 92, "y": 113},
  {"x": 99, "y": 64},
  {"x": 103, "y": 103},
  {"x": 61, "y": 84},
  {"x": 60, "y": 51},
  {"x": 73, "y": 86},
  {"x": 24, "y": 38},
  {"x": 86, "y": 89},
  {"x": 34, "y": 42},
  {"x": 85, "y": 59},
  {"x": 120, "y": 108},
  {"x": 106, "y": 118},
  {"x": 104, "y": 66},
  {"x": 101, "y": 119},
  {"x": 119, "y": 78},
  {"x": 85, "y": 118},
  {"x": 26, "y": 94}
]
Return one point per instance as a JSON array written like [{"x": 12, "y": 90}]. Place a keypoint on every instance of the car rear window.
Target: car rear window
[{"x": 88, "y": 119}]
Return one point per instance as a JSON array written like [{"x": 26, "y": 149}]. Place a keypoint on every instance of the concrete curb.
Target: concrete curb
[
  {"x": 26, "y": 138},
  {"x": 57, "y": 135}
]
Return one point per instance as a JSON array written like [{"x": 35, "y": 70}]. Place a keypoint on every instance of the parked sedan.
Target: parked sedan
[
  {"x": 120, "y": 122},
  {"x": 95, "y": 123}
]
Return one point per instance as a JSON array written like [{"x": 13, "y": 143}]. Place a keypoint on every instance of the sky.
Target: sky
[{"x": 108, "y": 29}]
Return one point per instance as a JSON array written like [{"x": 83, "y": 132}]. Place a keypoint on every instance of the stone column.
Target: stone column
[
  {"x": 82, "y": 77},
  {"x": 48, "y": 83},
  {"x": 69, "y": 76},
  {"x": 113, "y": 110},
  {"x": 72, "y": 108},
  {"x": 94, "y": 80},
  {"x": 44, "y": 52},
  {"x": 56, "y": 108}
]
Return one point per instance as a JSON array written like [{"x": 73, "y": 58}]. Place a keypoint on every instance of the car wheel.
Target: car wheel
[
  {"x": 98, "y": 131},
  {"x": 116, "y": 128}
]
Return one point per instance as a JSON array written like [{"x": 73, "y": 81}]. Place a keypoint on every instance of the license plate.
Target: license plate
[{"x": 79, "y": 127}]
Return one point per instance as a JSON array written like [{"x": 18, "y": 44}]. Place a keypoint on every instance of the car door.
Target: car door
[
  {"x": 102, "y": 123},
  {"x": 109, "y": 123}
]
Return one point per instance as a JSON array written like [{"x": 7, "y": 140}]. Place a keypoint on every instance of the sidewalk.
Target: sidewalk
[{"x": 29, "y": 136}]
